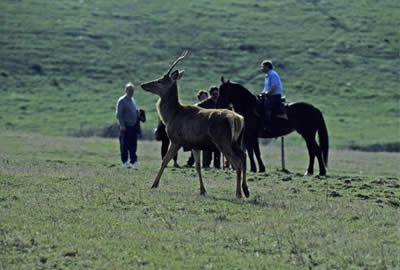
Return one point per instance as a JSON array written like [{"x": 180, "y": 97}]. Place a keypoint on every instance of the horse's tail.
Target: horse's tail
[{"x": 323, "y": 139}]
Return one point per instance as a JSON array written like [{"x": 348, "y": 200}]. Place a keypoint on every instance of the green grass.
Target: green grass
[
  {"x": 64, "y": 63},
  {"x": 67, "y": 203}
]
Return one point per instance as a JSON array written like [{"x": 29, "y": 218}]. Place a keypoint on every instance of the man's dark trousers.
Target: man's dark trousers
[
  {"x": 207, "y": 157},
  {"x": 164, "y": 148},
  {"x": 128, "y": 143}
]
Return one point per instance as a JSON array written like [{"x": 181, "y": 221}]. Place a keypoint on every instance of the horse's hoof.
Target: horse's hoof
[
  {"x": 239, "y": 196},
  {"x": 203, "y": 192},
  {"x": 322, "y": 174},
  {"x": 246, "y": 191},
  {"x": 308, "y": 174},
  {"x": 262, "y": 169}
]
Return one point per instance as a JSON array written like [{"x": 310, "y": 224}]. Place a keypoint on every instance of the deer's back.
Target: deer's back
[{"x": 200, "y": 128}]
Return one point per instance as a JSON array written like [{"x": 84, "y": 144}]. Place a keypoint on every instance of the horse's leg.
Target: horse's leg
[
  {"x": 261, "y": 166},
  {"x": 250, "y": 147},
  {"x": 173, "y": 149},
  {"x": 315, "y": 150},
  {"x": 311, "y": 154},
  {"x": 322, "y": 170},
  {"x": 244, "y": 182},
  {"x": 196, "y": 155},
  {"x": 238, "y": 181},
  {"x": 318, "y": 153}
]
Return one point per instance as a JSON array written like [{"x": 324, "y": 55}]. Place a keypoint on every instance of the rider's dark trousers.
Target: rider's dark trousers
[{"x": 271, "y": 106}]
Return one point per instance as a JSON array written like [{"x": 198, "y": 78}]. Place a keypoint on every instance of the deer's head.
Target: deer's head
[{"x": 162, "y": 85}]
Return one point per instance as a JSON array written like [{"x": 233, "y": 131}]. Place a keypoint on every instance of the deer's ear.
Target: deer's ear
[
  {"x": 177, "y": 75},
  {"x": 180, "y": 74}
]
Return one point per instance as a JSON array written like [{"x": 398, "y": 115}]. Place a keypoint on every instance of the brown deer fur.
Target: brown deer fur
[{"x": 197, "y": 128}]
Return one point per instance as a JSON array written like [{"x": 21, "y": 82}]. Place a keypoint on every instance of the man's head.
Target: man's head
[
  {"x": 129, "y": 89},
  {"x": 266, "y": 66},
  {"x": 202, "y": 95},
  {"x": 214, "y": 92}
]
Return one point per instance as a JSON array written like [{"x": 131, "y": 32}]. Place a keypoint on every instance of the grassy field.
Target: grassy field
[
  {"x": 64, "y": 63},
  {"x": 66, "y": 203}
]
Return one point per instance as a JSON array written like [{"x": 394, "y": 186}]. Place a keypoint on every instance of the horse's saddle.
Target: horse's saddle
[{"x": 279, "y": 112}]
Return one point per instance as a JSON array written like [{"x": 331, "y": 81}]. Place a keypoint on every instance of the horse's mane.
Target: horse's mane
[{"x": 243, "y": 94}]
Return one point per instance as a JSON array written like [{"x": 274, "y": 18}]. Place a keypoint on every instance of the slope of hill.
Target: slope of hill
[{"x": 64, "y": 63}]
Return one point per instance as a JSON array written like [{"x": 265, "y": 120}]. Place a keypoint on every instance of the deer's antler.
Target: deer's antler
[{"x": 177, "y": 61}]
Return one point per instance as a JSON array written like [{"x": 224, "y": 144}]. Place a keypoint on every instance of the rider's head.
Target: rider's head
[{"x": 266, "y": 66}]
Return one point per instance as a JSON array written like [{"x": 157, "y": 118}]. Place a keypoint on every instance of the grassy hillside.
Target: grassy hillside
[
  {"x": 64, "y": 63},
  {"x": 67, "y": 203}
]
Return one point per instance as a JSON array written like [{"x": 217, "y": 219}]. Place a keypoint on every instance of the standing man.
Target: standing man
[
  {"x": 201, "y": 96},
  {"x": 128, "y": 119},
  {"x": 272, "y": 91},
  {"x": 211, "y": 103}
]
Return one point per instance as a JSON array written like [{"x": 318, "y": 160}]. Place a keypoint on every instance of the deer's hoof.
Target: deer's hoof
[{"x": 154, "y": 186}]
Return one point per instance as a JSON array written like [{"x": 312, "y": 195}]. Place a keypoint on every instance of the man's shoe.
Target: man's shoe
[
  {"x": 126, "y": 165},
  {"x": 187, "y": 166},
  {"x": 135, "y": 164}
]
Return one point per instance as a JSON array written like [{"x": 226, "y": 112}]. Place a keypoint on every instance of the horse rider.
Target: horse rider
[{"x": 272, "y": 91}]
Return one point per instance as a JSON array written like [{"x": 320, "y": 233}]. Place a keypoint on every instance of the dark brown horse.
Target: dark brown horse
[{"x": 302, "y": 117}]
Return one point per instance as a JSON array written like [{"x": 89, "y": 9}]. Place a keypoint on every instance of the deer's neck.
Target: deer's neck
[{"x": 169, "y": 105}]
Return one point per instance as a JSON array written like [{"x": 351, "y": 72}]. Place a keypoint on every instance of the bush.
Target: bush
[{"x": 387, "y": 147}]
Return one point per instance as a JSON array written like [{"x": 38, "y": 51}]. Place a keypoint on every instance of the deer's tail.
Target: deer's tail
[{"x": 237, "y": 126}]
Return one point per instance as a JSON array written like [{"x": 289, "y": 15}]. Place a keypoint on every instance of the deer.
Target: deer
[{"x": 198, "y": 128}]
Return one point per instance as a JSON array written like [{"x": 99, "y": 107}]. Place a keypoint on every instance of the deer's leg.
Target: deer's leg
[
  {"x": 242, "y": 156},
  {"x": 173, "y": 149},
  {"x": 237, "y": 163},
  {"x": 244, "y": 182},
  {"x": 196, "y": 155}
]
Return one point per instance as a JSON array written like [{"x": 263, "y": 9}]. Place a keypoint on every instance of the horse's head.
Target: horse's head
[
  {"x": 232, "y": 94},
  {"x": 224, "y": 98}
]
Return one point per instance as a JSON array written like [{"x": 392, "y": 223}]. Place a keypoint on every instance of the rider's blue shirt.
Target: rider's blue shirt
[{"x": 272, "y": 79}]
